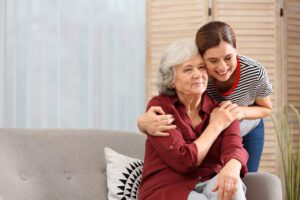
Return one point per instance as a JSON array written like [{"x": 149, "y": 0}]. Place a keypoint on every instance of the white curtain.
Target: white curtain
[{"x": 72, "y": 64}]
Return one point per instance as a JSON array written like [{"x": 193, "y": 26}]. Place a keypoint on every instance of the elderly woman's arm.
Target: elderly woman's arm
[
  {"x": 220, "y": 119},
  {"x": 174, "y": 150},
  {"x": 235, "y": 158}
]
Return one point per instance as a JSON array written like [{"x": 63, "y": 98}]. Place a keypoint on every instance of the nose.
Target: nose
[
  {"x": 222, "y": 66},
  {"x": 197, "y": 73}
]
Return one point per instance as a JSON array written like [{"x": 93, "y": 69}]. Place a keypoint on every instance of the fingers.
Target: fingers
[
  {"x": 225, "y": 103},
  {"x": 225, "y": 192},
  {"x": 157, "y": 110},
  {"x": 161, "y": 124},
  {"x": 232, "y": 107},
  {"x": 165, "y": 119},
  {"x": 161, "y": 134},
  {"x": 160, "y": 130},
  {"x": 228, "y": 105},
  {"x": 215, "y": 188},
  {"x": 221, "y": 193},
  {"x": 228, "y": 189}
]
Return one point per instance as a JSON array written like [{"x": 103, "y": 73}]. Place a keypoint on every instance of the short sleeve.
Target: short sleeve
[{"x": 264, "y": 87}]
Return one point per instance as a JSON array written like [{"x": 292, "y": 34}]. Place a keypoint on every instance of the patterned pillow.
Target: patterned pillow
[{"x": 123, "y": 175}]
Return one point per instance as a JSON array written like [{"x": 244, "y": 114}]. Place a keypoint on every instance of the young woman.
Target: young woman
[
  {"x": 233, "y": 79},
  {"x": 204, "y": 157}
]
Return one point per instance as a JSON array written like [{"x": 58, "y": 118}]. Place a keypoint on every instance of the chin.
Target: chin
[{"x": 223, "y": 78}]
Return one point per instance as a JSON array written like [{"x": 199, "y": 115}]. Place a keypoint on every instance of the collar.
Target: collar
[
  {"x": 207, "y": 104},
  {"x": 237, "y": 79}
]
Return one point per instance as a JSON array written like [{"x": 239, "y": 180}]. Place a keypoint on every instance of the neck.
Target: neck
[
  {"x": 191, "y": 103},
  {"x": 226, "y": 85}
]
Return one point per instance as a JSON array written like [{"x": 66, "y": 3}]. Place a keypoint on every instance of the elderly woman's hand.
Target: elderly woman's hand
[
  {"x": 221, "y": 117},
  {"x": 228, "y": 180},
  {"x": 236, "y": 111},
  {"x": 155, "y": 122}
]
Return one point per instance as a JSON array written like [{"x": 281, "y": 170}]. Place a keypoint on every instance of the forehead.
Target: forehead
[
  {"x": 195, "y": 60},
  {"x": 220, "y": 51}
]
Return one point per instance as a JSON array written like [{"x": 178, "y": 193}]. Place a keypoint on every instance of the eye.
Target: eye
[
  {"x": 228, "y": 58},
  {"x": 213, "y": 60},
  {"x": 187, "y": 69},
  {"x": 201, "y": 67}
]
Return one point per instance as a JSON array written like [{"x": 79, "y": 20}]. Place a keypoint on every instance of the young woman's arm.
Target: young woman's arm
[
  {"x": 155, "y": 122},
  {"x": 262, "y": 108}
]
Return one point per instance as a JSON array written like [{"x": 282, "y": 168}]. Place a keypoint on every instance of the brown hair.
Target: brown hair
[{"x": 211, "y": 34}]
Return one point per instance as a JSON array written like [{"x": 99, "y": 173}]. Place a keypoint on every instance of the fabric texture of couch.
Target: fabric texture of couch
[{"x": 69, "y": 164}]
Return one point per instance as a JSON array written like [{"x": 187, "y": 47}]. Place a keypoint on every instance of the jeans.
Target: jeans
[
  {"x": 203, "y": 191},
  {"x": 254, "y": 143}
]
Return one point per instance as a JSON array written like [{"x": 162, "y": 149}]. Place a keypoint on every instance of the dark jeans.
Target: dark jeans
[{"x": 254, "y": 144}]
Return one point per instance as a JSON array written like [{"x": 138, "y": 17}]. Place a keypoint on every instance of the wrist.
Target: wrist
[
  {"x": 235, "y": 164},
  {"x": 139, "y": 124},
  {"x": 241, "y": 114},
  {"x": 216, "y": 128}
]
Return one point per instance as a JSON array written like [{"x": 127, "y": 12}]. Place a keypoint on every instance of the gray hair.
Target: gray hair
[{"x": 175, "y": 54}]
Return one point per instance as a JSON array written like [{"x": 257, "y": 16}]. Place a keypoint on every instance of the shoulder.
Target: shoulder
[
  {"x": 233, "y": 128},
  {"x": 208, "y": 104},
  {"x": 251, "y": 66},
  {"x": 247, "y": 61},
  {"x": 210, "y": 101},
  {"x": 161, "y": 100}
]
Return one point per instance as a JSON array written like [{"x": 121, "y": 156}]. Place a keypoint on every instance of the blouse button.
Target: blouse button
[{"x": 171, "y": 147}]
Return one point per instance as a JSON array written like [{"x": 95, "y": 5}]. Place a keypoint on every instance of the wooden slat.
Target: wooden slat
[
  {"x": 168, "y": 21},
  {"x": 254, "y": 23},
  {"x": 292, "y": 24}
]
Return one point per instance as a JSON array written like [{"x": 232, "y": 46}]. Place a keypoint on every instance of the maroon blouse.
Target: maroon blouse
[{"x": 170, "y": 170}]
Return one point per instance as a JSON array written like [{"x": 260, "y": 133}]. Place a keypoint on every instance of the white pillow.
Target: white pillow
[{"x": 123, "y": 175}]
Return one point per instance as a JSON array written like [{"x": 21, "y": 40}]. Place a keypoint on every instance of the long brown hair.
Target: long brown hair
[{"x": 211, "y": 34}]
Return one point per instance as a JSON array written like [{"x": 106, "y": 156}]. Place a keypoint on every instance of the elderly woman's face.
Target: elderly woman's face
[{"x": 191, "y": 77}]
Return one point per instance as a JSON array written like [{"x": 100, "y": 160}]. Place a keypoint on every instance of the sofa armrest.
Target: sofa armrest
[{"x": 263, "y": 186}]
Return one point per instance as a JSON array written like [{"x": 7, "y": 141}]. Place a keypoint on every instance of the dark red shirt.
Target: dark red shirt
[{"x": 170, "y": 169}]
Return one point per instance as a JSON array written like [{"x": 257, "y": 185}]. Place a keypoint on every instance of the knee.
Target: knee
[{"x": 241, "y": 191}]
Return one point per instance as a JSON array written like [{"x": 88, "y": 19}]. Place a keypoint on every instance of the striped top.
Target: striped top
[{"x": 252, "y": 82}]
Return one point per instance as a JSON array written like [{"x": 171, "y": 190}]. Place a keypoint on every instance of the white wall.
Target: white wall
[{"x": 72, "y": 64}]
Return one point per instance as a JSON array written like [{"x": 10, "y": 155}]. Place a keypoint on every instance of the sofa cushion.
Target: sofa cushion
[{"x": 123, "y": 175}]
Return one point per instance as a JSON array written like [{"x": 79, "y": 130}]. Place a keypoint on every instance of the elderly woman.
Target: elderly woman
[{"x": 203, "y": 158}]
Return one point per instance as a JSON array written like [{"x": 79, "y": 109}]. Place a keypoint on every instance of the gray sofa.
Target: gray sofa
[{"x": 57, "y": 164}]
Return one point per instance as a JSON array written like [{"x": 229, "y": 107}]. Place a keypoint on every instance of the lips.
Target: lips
[
  {"x": 198, "y": 83},
  {"x": 223, "y": 73}
]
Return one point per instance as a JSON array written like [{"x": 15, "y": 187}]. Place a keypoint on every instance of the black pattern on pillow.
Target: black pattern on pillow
[
  {"x": 123, "y": 175},
  {"x": 131, "y": 181}
]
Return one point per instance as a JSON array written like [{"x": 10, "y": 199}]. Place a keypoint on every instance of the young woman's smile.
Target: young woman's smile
[{"x": 221, "y": 61}]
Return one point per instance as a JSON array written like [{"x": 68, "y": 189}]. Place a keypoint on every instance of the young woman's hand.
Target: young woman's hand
[
  {"x": 155, "y": 122},
  {"x": 236, "y": 112},
  {"x": 228, "y": 180},
  {"x": 222, "y": 116}
]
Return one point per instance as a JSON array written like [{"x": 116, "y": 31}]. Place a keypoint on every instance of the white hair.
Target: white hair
[{"x": 175, "y": 54}]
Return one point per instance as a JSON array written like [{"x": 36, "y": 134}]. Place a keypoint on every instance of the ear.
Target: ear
[
  {"x": 172, "y": 86},
  {"x": 236, "y": 51}
]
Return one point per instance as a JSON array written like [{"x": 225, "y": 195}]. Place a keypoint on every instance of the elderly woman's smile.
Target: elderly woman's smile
[{"x": 191, "y": 77}]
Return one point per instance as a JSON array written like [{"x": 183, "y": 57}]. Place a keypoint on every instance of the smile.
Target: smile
[
  {"x": 223, "y": 73},
  {"x": 198, "y": 83}
]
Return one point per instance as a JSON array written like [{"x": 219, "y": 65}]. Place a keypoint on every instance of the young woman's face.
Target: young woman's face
[
  {"x": 191, "y": 77},
  {"x": 221, "y": 61}
]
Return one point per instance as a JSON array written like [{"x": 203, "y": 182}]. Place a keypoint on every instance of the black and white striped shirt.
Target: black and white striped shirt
[{"x": 252, "y": 83}]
